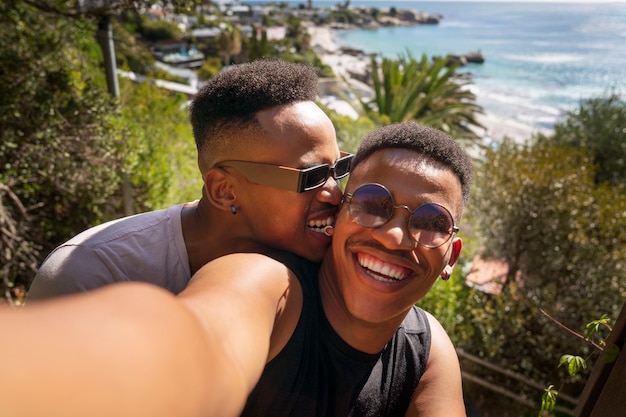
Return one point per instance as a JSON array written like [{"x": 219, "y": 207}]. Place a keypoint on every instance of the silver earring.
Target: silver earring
[{"x": 233, "y": 209}]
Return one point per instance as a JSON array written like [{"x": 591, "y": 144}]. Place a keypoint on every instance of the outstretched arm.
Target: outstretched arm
[
  {"x": 136, "y": 350},
  {"x": 439, "y": 392}
]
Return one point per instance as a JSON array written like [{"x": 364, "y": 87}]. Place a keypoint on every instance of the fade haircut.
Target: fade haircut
[
  {"x": 427, "y": 141},
  {"x": 229, "y": 102}
]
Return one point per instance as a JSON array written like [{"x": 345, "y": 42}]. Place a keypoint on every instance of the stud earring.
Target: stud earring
[
  {"x": 233, "y": 209},
  {"x": 445, "y": 275}
]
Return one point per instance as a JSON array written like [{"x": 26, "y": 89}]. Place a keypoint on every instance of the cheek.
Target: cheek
[
  {"x": 439, "y": 259},
  {"x": 343, "y": 222},
  {"x": 289, "y": 215}
]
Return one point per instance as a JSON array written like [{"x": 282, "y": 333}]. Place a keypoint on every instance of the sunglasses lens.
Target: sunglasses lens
[
  {"x": 431, "y": 225},
  {"x": 342, "y": 167},
  {"x": 371, "y": 205},
  {"x": 316, "y": 176}
]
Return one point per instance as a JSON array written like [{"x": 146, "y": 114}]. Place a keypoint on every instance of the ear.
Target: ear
[
  {"x": 219, "y": 189},
  {"x": 457, "y": 245}
]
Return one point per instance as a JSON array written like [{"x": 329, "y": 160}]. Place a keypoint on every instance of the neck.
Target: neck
[
  {"x": 210, "y": 233},
  {"x": 361, "y": 333}
]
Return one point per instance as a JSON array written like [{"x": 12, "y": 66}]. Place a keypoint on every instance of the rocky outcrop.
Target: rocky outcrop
[
  {"x": 475, "y": 57},
  {"x": 414, "y": 17},
  {"x": 407, "y": 18}
]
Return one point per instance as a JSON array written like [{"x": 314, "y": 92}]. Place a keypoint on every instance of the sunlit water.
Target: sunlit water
[{"x": 541, "y": 58}]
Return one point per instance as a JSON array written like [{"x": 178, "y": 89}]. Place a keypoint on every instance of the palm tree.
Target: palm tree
[
  {"x": 229, "y": 43},
  {"x": 424, "y": 91}
]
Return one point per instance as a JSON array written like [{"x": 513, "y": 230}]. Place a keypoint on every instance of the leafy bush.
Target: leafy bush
[
  {"x": 66, "y": 145},
  {"x": 598, "y": 125},
  {"x": 58, "y": 134},
  {"x": 210, "y": 67},
  {"x": 159, "y": 30}
]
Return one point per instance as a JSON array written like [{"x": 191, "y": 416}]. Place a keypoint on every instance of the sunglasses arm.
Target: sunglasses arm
[{"x": 287, "y": 178}]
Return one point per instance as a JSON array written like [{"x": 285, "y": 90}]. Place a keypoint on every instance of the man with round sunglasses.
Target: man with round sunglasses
[
  {"x": 361, "y": 344},
  {"x": 270, "y": 163},
  {"x": 274, "y": 334}
]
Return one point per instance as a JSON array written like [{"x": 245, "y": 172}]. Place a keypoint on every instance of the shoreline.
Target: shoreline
[{"x": 323, "y": 40}]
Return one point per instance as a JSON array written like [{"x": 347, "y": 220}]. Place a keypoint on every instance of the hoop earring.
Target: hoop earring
[{"x": 233, "y": 209}]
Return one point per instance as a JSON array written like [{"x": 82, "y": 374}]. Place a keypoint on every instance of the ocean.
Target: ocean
[{"x": 541, "y": 59}]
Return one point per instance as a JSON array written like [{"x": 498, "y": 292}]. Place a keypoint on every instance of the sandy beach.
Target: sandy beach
[{"x": 324, "y": 43}]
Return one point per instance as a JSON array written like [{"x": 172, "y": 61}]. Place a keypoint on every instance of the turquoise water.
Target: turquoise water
[{"x": 541, "y": 58}]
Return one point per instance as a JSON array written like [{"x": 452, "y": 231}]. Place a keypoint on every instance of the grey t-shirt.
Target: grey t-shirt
[{"x": 145, "y": 247}]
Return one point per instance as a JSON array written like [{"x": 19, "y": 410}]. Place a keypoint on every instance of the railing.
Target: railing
[{"x": 513, "y": 375}]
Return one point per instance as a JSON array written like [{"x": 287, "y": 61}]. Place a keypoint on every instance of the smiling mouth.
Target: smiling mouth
[
  {"x": 320, "y": 226},
  {"x": 382, "y": 271}
]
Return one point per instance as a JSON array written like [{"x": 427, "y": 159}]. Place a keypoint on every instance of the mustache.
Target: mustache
[{"x": 409, "y": 255}]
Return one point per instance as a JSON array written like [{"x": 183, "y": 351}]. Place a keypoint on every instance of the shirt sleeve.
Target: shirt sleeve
[{"x": 70, "y": 269}]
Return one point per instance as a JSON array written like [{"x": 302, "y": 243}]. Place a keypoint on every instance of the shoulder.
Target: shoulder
[
  {"x": 440, "y": 389},
  {"x": 134, "y": 248},
  {"x": 442, "y": 351},
  {"x": 247, "y": 273},
  {"x": 254, "y": 293},
  {"x": 64, "y": 272},
  {"x": 139, "y": 226}
]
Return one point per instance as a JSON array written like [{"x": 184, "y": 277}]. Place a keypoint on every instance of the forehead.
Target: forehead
[
  {"x": 295, "y": 135},
  {"x": 411, "y": 177}
]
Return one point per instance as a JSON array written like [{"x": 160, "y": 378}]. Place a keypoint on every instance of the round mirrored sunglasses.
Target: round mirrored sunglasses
[{"x": 371, "y": 205}]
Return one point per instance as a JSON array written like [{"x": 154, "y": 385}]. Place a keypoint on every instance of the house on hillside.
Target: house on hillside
[
  {"x": 489, "y": 276},
  {"x": 232, "y": 7},
  {"x": 178, "y": 54}
]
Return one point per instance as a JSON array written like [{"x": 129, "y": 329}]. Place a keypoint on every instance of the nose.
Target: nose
[
  {"x": 395, "y": 234},
  {"x": 330, "y": 192}
]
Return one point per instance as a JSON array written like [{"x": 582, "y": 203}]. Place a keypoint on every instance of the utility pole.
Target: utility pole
[{"x": 105, "y": 39}]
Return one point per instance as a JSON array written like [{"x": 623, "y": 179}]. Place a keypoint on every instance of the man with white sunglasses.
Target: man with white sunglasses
[
  {"x": 273, "y": 334},
  {"x": 255, "y": 120}
]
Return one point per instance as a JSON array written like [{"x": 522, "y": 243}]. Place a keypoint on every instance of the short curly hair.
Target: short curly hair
[
  {"x": 230, "y": 101},
  {"x": 425, "y": 140}
]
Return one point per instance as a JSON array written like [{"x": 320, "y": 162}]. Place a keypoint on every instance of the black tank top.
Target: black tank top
[{"x": 317, "y": 374}]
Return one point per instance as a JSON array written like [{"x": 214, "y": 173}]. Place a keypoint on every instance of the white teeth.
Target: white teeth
[
  {"x": 382, "y": 271},
  {"x": 319, "y": 225}
]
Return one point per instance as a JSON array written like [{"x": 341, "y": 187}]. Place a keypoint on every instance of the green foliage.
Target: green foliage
[
  {"x": 598, "y": 125},
  {"x": 64, "y": 8},
  {"x": 425, "y": 91},
  {"x": 257, "y": 48},
  {"x": 129, "y": 54},
  {"x": 349, "y": 132},
  {"x": 66, "y": 143},
  {"x": 444, "y": 298},
  {"x": 210, "y": 67},
  {"x": 610, "y": 353},
  {"x": 598, "y": 327},
  {"x": 539, "y": 208},
  {"x": 541, "y": 202},
  {"x": 548, "y": 400},
  {"x": 574, "y": 364},
  {"x": 159, "y": 30},
  {"x": 229, "y": 42},
  {"x": 58, "y": 132},
  {"x": 158, "y": 152}
]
